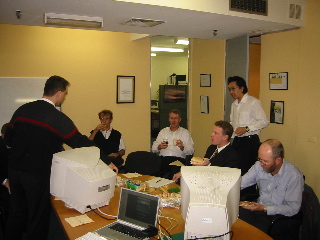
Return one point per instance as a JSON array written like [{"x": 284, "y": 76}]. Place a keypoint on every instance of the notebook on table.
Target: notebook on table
[{"x": 137, "y": 211}]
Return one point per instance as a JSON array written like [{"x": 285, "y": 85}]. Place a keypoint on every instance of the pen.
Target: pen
[{"x": 158, "y": 180}]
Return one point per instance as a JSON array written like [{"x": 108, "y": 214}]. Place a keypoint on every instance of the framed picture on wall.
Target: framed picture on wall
[
  {"x": 204, "y": 104},
  {"x": 174, "y": 93},
  {"x": 125, "y": 89},
  {"x": 278, "y": 81},
  {"x": 277, "y": 112},
  {"x": 205, "y": 80}
]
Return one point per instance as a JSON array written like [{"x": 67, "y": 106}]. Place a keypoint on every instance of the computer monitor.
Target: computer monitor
[
  {"x": 209, "y": 200},
  {"x": 181, "y": 80},
  {"x": 81, "y": 179}
]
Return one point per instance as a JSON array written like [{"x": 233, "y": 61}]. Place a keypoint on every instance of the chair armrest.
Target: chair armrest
[{"x": 279, "y": 217}]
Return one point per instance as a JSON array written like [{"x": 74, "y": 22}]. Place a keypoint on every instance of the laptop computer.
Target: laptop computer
[{"x": 138, "y": 211}]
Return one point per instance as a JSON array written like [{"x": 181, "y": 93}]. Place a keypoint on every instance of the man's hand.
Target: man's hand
[
  {"x": 180, "y": 145},
  {"x": 6, "y": 184},
  {"x": 114, "y": 155},
  {"x": 254, "y": 207},
  {"x": 101, "y": 126},
  {"x": 113, "y": 167},
  {"x": 162, "y": 145},
  {"x": 240, "y": 131},
  {"x": 176, "y": 176},
  {"x": 206, "y": 162}
]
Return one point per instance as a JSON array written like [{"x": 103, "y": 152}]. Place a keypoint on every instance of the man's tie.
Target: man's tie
[{"x": 215, "y": 153}]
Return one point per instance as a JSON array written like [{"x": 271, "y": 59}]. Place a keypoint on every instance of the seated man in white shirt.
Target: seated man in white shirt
[
  {"x": 173, "y": 143},
  {"x": 108, "y": 140}
]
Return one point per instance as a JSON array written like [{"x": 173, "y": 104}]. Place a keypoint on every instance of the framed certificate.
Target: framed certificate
[
  {"x": 278, "y": 81},
  {"x": 205, "y": 80},
  {"x": 277, "y": 112},
  {"x": 204, "y": 104},
  {"x": 125, "y": 89}
]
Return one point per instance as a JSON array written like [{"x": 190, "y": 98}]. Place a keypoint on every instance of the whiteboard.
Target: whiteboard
[{"x": 16, "y": 91}]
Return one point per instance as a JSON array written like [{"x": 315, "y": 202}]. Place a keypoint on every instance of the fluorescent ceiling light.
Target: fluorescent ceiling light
[
  {"x": 183, "y": 42},
  {"x": 25, "y": 100},
  {"x": 72, "y": 20},
  {"x": 162, "y": 49},
  {"x": 153, "y": 54}
]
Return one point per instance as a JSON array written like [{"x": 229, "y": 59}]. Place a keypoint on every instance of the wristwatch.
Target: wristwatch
[{"x": 247, "y": 129}]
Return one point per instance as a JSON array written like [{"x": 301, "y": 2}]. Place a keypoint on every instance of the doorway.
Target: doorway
[{"x": 169, "y": 66}]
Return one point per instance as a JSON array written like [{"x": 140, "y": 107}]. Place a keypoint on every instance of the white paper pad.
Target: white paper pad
[
  {"x": 159, "y": 182},
  {"x": 131, "y": 175},
  {"x": 79, "y": 220}
]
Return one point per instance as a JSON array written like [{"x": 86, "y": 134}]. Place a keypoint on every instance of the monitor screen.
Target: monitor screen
[{"x": 181, "y": 79}]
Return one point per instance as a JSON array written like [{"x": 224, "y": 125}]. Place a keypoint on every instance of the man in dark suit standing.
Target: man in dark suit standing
[
  {"x": 4, "y": 187},
  {"x": 36, "y": 131},
  {"x": 220, "y": 152}
]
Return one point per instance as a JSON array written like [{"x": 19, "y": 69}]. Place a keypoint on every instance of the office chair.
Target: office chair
[
  {"x": 143, "y": 162},
  {"x": 307, "y": 220}
]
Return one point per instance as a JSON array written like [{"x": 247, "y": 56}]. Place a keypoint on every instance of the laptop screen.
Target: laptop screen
[{"x": 138, "y": 208}]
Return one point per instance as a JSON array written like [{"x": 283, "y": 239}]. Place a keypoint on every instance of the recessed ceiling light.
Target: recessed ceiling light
[
  {"x": 72, "y": 20},
  {"x": 183, "y": 42},
  {"x": 162, "y": 49}
]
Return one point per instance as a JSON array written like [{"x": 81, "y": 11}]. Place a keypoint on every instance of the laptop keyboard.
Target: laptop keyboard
[{"x": 128, "y": 230}]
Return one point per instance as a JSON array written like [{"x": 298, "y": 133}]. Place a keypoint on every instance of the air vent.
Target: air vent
[
  {"x": 259, "y": 7},
  {"x": 295, "y": 11},
  {"x": 139, "y": 22}
]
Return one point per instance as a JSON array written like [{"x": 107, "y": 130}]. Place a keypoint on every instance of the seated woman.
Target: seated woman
[{"x": 108, "y": 140}]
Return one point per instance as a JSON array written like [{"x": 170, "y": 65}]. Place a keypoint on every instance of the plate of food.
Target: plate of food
[
  {"x": 246, "y": 204},
  {"x": 196, "y": 160}
]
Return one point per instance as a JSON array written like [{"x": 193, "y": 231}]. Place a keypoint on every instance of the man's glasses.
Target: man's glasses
[
  {"x": 264, "y": 162},
  {"x": 232, "y": 89}
]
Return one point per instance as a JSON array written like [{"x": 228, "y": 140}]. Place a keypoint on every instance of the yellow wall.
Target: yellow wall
[
  {"x": 206, "y": 57},
  {"x": 90, "y": 60},
  {"x": 296, "y": 52}
]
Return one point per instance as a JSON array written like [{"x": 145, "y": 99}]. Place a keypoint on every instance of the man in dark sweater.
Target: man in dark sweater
[
  {"x": 108, "y": 140},
  {"x": 36, "y": 131},
  {"x": 4, "y": 187},
  {"x": 220, "y": 152}
]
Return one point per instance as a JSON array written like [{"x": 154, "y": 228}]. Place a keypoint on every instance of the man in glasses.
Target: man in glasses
[
  {"x": 247, "y": 118},
  {"x": 280, "y": 186}
]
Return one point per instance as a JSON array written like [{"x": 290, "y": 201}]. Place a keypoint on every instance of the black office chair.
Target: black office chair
[
  {"x": 143, "y": 162},
  {"x": 306, "y": 223}
]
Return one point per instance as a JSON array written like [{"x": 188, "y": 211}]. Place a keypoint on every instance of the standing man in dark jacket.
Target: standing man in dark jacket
[
  {"x": 36, "y": 131},
  {"x": 4, "y": 187}
]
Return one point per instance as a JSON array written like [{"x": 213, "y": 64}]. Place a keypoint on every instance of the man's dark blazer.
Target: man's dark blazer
[
  {"x": 4, "y": 153},
  {"x": 227, "y": 157}
]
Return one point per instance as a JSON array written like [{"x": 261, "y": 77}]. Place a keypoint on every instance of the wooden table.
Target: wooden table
[{"x": 241, "y": 229}]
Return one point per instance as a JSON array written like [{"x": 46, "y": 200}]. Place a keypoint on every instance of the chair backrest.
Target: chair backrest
[
  {"x": 310, "y": 208},
  {"x": 143, "y": 162}
]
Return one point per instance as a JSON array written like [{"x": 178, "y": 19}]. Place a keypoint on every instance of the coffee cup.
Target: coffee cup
[{"x": 175, "y": 142}]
